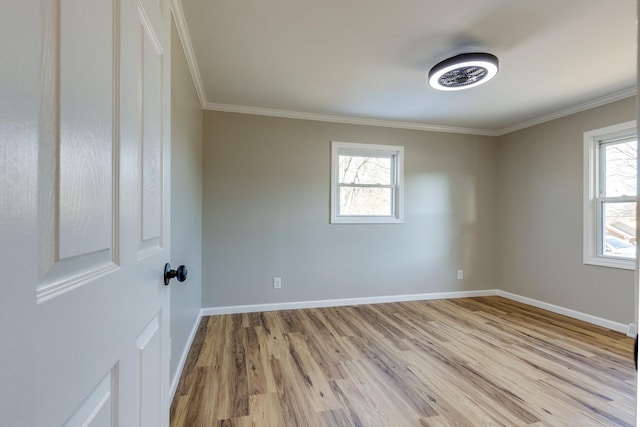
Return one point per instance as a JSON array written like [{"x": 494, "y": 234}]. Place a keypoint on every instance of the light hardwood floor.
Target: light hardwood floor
[{"x": 468, "y": 362}]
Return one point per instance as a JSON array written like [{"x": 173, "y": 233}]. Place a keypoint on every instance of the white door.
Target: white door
[{"x": 85, "y": 116}]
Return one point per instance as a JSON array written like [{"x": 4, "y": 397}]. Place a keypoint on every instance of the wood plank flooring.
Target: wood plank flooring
[{"x": 467, "y": 362}]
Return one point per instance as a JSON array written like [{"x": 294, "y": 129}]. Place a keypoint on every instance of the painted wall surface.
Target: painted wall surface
[
  {"x": 540, "y": 212},
  {"x": 266, "y": 214},
  {"x": 186, "y": 201}
]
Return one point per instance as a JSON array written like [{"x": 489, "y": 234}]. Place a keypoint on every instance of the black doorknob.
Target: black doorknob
[{"x": 180, "y": 273}]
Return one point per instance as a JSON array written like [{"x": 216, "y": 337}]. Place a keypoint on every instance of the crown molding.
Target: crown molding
[
  {"x": 626, "y": 93},
  {"x": 616, "y": 96},
  {"x": 187, "y": 47},
  {"x": 345, "y": 119}
]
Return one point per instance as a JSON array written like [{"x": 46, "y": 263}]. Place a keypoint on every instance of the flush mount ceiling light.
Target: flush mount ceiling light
[{"x": 463, "y": 71}]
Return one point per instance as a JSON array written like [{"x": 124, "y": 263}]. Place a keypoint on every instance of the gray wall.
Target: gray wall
[
  {"x": 266, "y": 214},
  {"x": 186, "y": 201},
  {"x": 540, "y": 217}
]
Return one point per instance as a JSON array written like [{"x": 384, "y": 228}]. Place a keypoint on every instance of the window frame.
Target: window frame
[
  {"x": 593, "y": 201},
  {"x": 396, "y": 185}
]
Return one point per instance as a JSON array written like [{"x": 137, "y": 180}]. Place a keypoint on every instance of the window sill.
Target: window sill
[
  {"x": 366, "y": 220},
  {"x": 625, "y": 264}
]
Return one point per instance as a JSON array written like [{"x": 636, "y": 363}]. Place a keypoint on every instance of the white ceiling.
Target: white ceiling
[{"x": 366, "y": 61}]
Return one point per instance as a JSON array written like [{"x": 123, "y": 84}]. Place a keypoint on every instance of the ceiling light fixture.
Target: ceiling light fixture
[{"x": 463, "y": 71}]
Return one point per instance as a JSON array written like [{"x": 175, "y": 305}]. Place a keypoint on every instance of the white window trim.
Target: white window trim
[
  {"x": 590, "y": 209},
  {"x": 398, "y": 200}
]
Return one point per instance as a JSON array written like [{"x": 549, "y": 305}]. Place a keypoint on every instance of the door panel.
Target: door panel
[
  {"x": 99, "y": 409},
  {"x": 78, "y": 165},
  {"x": 152, "y": 59},
  {"x": 86, "y": 137},
  {"x": 149, "y": 354}
]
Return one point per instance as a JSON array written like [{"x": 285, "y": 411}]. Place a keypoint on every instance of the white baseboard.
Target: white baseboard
[
  {"x": 630, "y": 330},
  {"x": 212, "y": 311},
  {"x": 599, "y": 321},
  {"x": 183, "y": 358}
]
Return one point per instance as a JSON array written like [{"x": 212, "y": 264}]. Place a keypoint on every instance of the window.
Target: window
[
  {"x": 366, "y": 183},
  {"x": 610, "y": 191}
]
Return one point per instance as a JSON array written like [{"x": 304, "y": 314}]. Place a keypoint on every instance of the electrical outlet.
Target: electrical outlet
[
  {"x": 277, "y": 283},
  {"x": 460, "y": 274}
]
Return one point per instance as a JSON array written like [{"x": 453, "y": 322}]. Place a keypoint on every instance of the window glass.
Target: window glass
[
  {"x": 365, "y": 201},
  {"x": 621, "y": 168},
  {"x": 365, "y": 170},
  {"x": 619, "y": 229}
]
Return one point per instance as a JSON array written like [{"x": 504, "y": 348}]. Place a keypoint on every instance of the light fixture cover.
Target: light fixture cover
[{"x": 463, "y": 71}]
